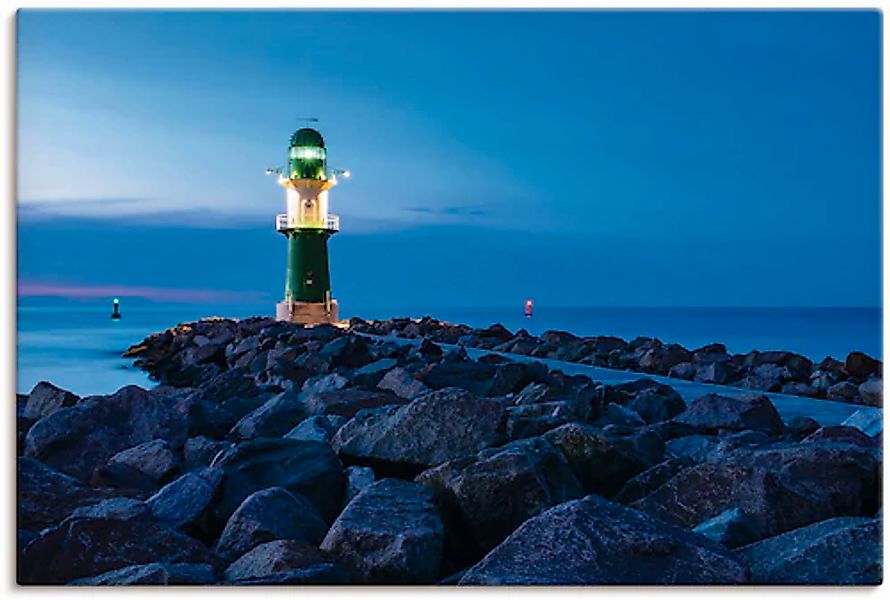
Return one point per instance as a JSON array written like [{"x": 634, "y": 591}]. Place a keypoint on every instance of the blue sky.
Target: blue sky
[{"x": 579, "y": 158}]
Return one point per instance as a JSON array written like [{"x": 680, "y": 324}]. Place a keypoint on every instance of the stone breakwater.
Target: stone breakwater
[
  {"x": 276, "y": 454},
  {"x": 857, "y": 379}
]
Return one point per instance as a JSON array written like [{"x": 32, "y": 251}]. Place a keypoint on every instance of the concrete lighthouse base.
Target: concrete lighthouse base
[{"x": 307, "y": 313}]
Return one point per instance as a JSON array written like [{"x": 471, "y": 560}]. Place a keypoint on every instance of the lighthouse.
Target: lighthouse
[{"x": 307, "y": 225}]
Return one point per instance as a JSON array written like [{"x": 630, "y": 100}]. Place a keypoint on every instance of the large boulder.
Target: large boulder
[
  {"x": 432, "y": 429},
  {"x": 270, "y": 514},
  {"x": 594, "y": 541},
  {"x": 317, "y": 428},
  {"x": 838, "y": 551},
  {"x": 486, "y": 497},
  {"x": 46, "y": 496},
  {"x": 285, "y": 561},
  {"x": 389, "y": 533},
  {"x": 871, "y": 392},
  {"x": 86, "y": 546},
  {"x": 731, "y": 528},
  {"x": 347, "y": 402},
  {"x": 861, "y": 366},
  {"x": 653, "y": 401},
  {"x": 115, "y": 508},
  {"x": 186, "y": 500},
  {"x": 347, "y": 351},
  {"x": 475, "y": 377},
  {"x": 643, "y": 484},
  {"x": 274, "y": 418},
  {"x": 154, "y": 459},
  {"x": 303, "y": 467},
  {"x": 77, "y": 439},
  {"x": 657, "y": 403},
  {"x": 715, "y": 413},
  {"x": 154, "y": 574},
  {"x": 843, "y": 391},
  {"x": 780, "y": 487},
  {"x": 403, "y": 384},
  {"x": 602, "y": 462},
  {"x": 199, "y": 451},
  {"x": 45, "y": 399}
]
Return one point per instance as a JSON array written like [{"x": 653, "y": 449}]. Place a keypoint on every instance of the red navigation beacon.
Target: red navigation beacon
[{"x": 528, "y": 308}]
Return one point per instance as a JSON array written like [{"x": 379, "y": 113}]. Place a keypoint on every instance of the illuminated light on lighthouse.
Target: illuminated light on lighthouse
[{"x": 307, "y": 225}]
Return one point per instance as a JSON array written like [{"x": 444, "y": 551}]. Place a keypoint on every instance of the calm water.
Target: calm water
[{"x": 77, "y": 346}]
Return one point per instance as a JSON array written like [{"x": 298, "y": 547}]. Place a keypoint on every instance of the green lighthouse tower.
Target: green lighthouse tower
[{"x": 307, "y": 225}]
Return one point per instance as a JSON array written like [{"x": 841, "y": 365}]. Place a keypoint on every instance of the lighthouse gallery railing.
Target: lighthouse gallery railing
[{"x": 331, "y": 223}]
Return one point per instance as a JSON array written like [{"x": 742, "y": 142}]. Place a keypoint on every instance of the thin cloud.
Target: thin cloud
[
  {"x": 160, "y": 294},
  {"x": 450, "y": 211}
]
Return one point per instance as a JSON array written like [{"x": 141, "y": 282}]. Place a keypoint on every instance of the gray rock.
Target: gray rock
[
  {"x": 324, "y": 383},
  {"x": 77, "y": 439},
  {"x": 839, "y": 551},
  {"x": 274, "y": 559},
  {"x": 84, "y": 547},
  {"x": 323, "y": 573},
  {"x": 273, "y": 419},
  {"x": 843, "y": 391},
  {"x": 403, "y": 384},
  {"x": 621, "y": 415},
  {"x": 800, "y": 427},
  {"x": 154, "y": 574},
  {"x": 655, "y": 404},
  {"x": 347, "y": 402},
  {"x": 684, "y": 370},
  {"x": 154, "y": 459},
  {"x": 593, "y": 541},
  {"x": 389, "y": 533},
  {"x": 115, "y": 508},
  {"x": 861, "y": 366},
  {"x": 603, "y": 463},
  {"x": 767, "y": 377},
  {"x": 715, "y": 372},
  {"x": 842, "y": 433},
  {"x": 486, "y": 497},
  {"x": 267, "y": 515},
  {"x": 780, "y": 487},
  {"x": 651, "y": 479},
  {"x": 347, "y": 351},
  {"x": 199, "y": 451},
  {"x": 696, "y": 448},
  {"x": 731, "y": 528},
  {"x": 378, "y": 366},
  {"x": 46, "y": 496},
  {"x": 184, "y": 500},
  {"x": 317, "y": 428},
  {"x": 357, "y": 479},
  {"x": 714, "y": 413},
  {"x": 432, "y": 429},
  {"x": 45, "y": 399},
  {"x": 871, "y": 392},
  {"x": 308, "y": 468}
]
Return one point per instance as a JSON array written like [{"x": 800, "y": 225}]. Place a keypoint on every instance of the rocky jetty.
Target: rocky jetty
[
  {"x": 857, "y": 379},
  {"x": 271, "y": 453}
]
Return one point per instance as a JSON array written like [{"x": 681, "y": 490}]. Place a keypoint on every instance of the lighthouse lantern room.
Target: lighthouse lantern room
[{"x": 307, "y": 225}]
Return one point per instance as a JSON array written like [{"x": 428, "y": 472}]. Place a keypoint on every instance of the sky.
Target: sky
[{"x": 593, "y": 158}]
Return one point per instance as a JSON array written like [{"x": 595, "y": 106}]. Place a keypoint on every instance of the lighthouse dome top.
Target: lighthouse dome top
[{"x": 306, "y": 137}]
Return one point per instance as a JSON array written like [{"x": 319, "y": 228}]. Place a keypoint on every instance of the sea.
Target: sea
[{"x": 77, "y": 346}]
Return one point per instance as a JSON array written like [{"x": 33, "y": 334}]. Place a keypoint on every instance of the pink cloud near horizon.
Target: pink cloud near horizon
[{"x": 33, "y": 288}]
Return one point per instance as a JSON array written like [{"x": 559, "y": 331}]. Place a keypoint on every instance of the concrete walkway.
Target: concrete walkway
[{"x": 825, "y": 412}]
